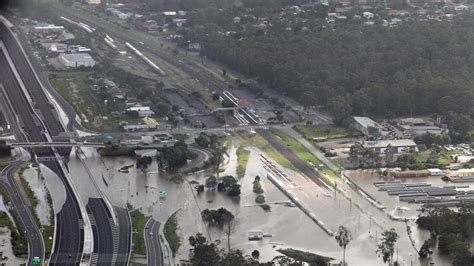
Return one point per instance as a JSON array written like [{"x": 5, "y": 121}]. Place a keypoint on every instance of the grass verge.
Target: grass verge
[
  {"x": 315, "y": 132},
  {"x": 5, "y": 161},
  {"x": 297, "y": 148},
  {"x": 259, "y": 142},
  {"x": 17, "y": 237},
  {"x": 171, "y": 233},
  {"x": 242, "y": 159},
  {"x": 138, "y": 226},
  {"x": 47, "y": 231}
]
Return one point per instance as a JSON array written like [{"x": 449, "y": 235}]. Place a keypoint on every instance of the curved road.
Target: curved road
[
  {"x": 69, "y": 231},
  {"x": 22, "y": 211},
  {"x": 154, "y": 253},
  {"x": 203, "y": 156}
]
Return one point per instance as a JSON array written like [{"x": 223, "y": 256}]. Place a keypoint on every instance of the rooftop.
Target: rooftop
[
  {"x": 77, "y": 57},
  {"x": 366, "y": 121},
  {"x": 393, "y": 143}
]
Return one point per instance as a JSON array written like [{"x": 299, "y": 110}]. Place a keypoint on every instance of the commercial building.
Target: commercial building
[
  {"x": 141, "y": 110},
  {"x": 77, "y": 49},
  {"x": 419, "y": 126},
  {"x": 76, "y": 60},
  {"x": 397, "y": 145},
  {"x": 139, "y": 128},
  {"x": 367, "y": 126},
  {"x": 54, "y": 47},
  {"x": 435, "y": 171},
  {"x": 420, "y": 130},
  {"x": 43, "y": 27}
]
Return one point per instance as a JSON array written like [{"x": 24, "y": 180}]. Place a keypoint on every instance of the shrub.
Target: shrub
[{"x": 260, "y": 199}]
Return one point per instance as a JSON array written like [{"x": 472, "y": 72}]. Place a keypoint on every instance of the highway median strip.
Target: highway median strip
[{"x": 138, "y": 226}]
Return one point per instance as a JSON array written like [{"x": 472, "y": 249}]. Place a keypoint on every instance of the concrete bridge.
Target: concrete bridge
[{"x": 56, "y": 144}]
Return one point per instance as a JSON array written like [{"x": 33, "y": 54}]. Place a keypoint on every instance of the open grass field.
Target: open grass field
[
  {"x": 312, "y": 132},
  {"x": 242, "y": 160},
  {"x": 296, "y": 147},
  {"x": 138, "y": 226},
  {"x": 259, "y": 142}
]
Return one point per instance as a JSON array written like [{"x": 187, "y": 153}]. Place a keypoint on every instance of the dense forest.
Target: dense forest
[{"x": 416, "y": 68}]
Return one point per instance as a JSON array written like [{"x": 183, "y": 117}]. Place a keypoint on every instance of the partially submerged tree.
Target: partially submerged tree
[
  {"x": 211, "y": 182},
  {"x": 387, "y": 245},
  {"x": 343, "y": 238}
]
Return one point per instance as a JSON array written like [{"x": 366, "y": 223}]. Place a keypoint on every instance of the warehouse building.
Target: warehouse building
[
  {"x": 142, "y": 111},
  {"x": 397, "y": 145},
  {"x": 76, "y": 60},
  {"x": 367, "y": 126}
]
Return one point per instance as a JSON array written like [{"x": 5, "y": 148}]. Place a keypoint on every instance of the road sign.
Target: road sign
[{"x": 163, "y": 194}]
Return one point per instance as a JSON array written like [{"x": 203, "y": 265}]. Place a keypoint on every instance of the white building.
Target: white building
[
  {"x": 42, "y": 27},
  {"x": 435, "y": 171},
  {"x": 363, "y": 124},
  {"x": 461, "y": 8},
  {"x": 54, "y": 47},
  {"x": 78, "y": 49},
  {"x": 141, "y": 110},
  {"x": 76, "y": 60},
  {"x": 123, "y": 16},
  {"x": 368, "y": 15},
  {"x": 397, "y": 145},
  {"x": 179, "y": 21}
]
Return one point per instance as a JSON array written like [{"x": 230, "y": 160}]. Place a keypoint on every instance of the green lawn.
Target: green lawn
[
  {"x": 171, "y": 233},
  {"x": 259, "y": 142},
  {"x": 72, "y": 86},
  {"x": 138, "y": 226},
  {"x": 311, "y": 132},
  {"x": 441, "y": 159},
  {"x": 242, "y": 159},
  {"x": 299, "y": 150}
]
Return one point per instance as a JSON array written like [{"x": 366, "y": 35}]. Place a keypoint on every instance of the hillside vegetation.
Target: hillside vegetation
[{"x": 416, "y": 68}]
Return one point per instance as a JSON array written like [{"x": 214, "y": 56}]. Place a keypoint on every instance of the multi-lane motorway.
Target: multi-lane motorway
[
  {"x": 39, "y": 122},
  {"x": 69, "y": 239}
]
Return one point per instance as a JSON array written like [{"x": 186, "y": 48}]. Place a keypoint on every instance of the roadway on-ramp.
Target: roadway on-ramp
[{"x": 154, "y": 252}]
